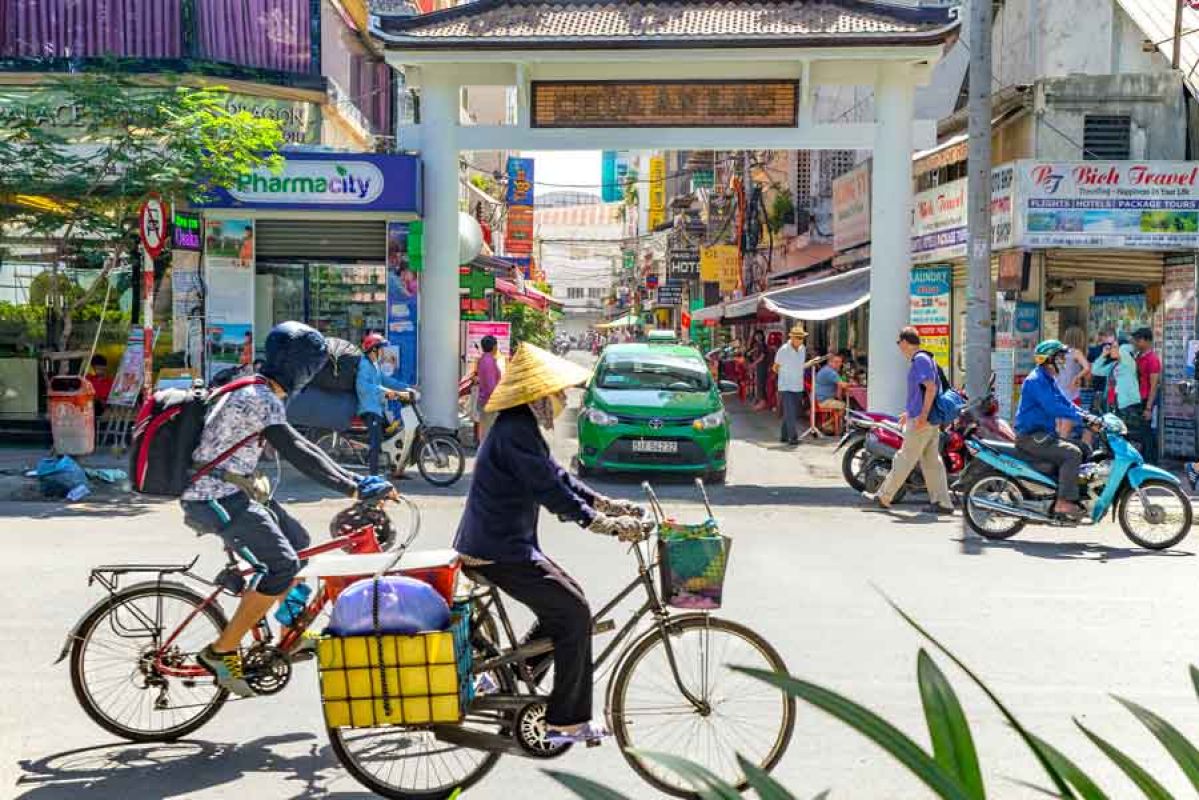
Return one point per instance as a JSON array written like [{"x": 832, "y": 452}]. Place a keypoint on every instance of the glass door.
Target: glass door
[{"x": 347, "y": 300}]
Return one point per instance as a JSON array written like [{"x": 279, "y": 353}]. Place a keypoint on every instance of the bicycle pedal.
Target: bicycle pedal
[{"x": 594, "y": 743}]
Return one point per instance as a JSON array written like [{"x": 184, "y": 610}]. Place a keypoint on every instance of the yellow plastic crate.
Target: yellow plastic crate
[{"x": 421, "y": 677}]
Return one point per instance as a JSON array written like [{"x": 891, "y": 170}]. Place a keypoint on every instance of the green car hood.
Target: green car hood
[{"x": 653, "y": 401}]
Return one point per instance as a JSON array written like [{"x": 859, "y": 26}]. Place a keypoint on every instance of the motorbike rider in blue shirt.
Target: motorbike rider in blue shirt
[
  {"x": 373, "y": 387},
  {"x": 1042, "y": 404}
]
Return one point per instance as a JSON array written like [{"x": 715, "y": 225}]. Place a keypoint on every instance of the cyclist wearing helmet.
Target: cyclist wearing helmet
[
  {"x": 234, "y": 501},
  {"x": 373, "y": 387},
  {"x": 1042, "y": 404}
]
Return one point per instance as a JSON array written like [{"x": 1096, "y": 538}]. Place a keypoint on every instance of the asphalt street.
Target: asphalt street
[{"x": 1055, "y": 621}]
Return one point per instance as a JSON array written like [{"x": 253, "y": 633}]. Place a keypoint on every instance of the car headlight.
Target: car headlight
[
  {"x": 597, "y": 416},
  {"x": 713, "y": 420}
]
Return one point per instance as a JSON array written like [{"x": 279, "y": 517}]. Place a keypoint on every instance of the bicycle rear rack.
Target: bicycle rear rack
[{"x": 108, "y": 575}]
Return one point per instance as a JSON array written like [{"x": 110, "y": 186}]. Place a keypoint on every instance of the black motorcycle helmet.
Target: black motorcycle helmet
[{"x": 295, "y": 352}]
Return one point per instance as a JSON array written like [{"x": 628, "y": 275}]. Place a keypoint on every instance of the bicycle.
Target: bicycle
[
  {"x": 673, "y": 662},
  {"x": 153, "y": 630}
]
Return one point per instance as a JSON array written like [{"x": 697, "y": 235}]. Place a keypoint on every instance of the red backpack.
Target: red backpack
[{"x": 166, "y": 433}]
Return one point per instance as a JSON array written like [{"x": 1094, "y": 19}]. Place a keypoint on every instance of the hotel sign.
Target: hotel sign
[{"x": 666, "y": 104}]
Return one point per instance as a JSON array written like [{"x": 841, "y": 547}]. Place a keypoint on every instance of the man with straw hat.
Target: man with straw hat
[
  {"x": 789, "y": 363},
  {"x": 515, "y": 475}
]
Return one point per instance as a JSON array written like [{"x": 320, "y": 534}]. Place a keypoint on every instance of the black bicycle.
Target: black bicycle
[{"x": 670, "y": 691}]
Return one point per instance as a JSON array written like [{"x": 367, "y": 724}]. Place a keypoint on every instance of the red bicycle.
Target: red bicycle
[{"x": 132, "y": 654}]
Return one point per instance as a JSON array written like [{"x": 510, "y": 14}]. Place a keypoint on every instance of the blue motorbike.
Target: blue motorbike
[{"x": 1005, "y": 490}]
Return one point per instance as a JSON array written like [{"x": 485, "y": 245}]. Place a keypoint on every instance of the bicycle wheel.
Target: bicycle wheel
[
  {"x": 344, "y": 450},
  {"x": 113, "y": 668},
  {"x": 440, "y": 460},
  {"x": 744, "y": 716}
]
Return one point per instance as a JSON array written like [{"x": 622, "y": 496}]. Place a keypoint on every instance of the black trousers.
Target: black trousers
[
  {"x": 564, "y": 616},
  {"x": 374, "y": 428},
  {"x": 1067, "y": 456}
]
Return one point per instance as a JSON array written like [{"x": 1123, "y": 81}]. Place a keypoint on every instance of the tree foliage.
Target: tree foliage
[{"x": 80, "y": 187}]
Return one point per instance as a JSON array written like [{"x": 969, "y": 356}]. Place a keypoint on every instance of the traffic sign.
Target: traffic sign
[{"x": 152, "y": 224}]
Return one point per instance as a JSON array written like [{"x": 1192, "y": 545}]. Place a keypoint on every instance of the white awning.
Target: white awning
[
  {"x": 821, "y": 299},
  {"x": 708, "y": 313}
]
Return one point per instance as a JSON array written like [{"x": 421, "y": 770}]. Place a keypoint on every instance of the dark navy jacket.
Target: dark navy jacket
[{"x": 514, "y": 476}]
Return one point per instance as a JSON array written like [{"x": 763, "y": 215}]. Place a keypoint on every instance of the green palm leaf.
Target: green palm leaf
[
  {"x": 953, "y": 746},
  {"x": 1144, "y": 781},
  {"x": 584, "y": 787},
  {"x": 766, "y": 787},
  {"x": 1171, "y": 738},
  {"x": 1195, "y": 678},
  {"x": 1070, "y": 771},
  {"x": 873, "y": 727}
]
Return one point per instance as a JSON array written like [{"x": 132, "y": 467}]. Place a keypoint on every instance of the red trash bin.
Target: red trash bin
[{"x": 72, "y": 415}]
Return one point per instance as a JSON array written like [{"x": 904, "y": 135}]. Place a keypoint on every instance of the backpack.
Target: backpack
[
  {"x": 166, "y": 433},
  {"x": 341, "y": 370},
  {"x": 948, "y": 403}
]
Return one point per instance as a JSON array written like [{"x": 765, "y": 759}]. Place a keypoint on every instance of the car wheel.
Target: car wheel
[
  {"x": 581, "y": 469},
  {"x": 717, "y": 476}
]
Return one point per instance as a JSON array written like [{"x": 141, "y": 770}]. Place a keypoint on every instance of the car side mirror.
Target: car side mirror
[{"x": 728, "y": 387}]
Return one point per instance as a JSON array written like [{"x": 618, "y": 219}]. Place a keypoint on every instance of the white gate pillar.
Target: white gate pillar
[
  {"x": 439, "y": 310},
  {"x": 890, "y": 237}
]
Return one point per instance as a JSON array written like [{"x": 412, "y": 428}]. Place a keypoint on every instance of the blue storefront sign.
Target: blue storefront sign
[{"x": 331, "y": 182}]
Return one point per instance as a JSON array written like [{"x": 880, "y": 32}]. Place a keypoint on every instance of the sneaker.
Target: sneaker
[
  {"x": 589, "y": 733},
  {"x": 1192, "y": 475},
  {"x": 933, "y": 508},
  {"x": 874, "y": 502},
  {"x": 227, "y": 669}
]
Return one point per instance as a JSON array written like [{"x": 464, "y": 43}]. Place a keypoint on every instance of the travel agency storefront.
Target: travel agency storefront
[
  {"x": 1098, "y": 245},
  {"x": 333, "y": 239}
]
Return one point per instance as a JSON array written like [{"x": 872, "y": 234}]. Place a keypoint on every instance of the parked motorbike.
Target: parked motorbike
[
  {"x": 1011, "y": 490},
  {"x": 858, "y": 425},
  {"x": 436, "y": 452}
]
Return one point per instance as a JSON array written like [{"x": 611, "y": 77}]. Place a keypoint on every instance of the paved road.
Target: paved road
[{"x": 1054, "y": 621}]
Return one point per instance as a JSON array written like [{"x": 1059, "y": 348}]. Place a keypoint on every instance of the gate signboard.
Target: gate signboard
[{"x": 670, "y": 103}]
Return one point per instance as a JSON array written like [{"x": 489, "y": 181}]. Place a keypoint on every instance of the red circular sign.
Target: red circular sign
[{"x": 152, "y": 223}]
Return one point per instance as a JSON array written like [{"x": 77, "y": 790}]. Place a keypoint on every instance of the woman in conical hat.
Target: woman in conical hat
[{"x": 515, "y": 475}]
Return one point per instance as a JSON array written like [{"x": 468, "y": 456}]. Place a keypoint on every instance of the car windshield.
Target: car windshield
[{"x": 648, "y": 371}]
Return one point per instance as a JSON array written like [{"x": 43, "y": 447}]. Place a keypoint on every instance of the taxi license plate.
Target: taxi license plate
[{"x": 655, "y": 446}]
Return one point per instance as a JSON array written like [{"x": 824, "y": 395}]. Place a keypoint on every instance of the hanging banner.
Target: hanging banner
[
  {"x": 670, "y": 294},
  {"x": 939, "y": 223},
  {"x": 721, "y": 264},
  {"x": 475, "y": 331},
  {"x": 518, "y": 239},
  {"x": 403, "y": 308},
  {"x": 229, "y": 278},
  {"x": 851, "y": 208},
  {"x": 657, "y": 192},
  {"x": 682, "y": 264},
  {"x": 1003, "y": 186},
  {"x": 1145, "y": 205},
  {"x": 931, "y": 290}
]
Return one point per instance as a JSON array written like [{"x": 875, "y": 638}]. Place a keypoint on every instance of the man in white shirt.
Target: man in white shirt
[{"x": 789, "y": 364}]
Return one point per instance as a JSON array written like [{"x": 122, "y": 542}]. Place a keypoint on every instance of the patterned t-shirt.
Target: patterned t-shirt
[{"x": 251, "y": 409}]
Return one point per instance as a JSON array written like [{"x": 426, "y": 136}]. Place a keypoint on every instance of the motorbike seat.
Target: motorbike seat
[{"x": 1010, "y": 449}]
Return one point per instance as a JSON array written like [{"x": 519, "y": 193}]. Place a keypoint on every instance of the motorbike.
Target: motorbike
[
  {"x": 858, "y": 425},
  {"x": 1009, "y": 490},
  {"x": 436, "y": 452}
]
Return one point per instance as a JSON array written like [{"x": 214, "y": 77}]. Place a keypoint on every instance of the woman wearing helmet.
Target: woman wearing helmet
[
  {"x": 373, "y": 388},
  {"x": 1042, "y": 405},
  {"x": 234, "y": 501},
  {"x": 515, "y": 475}
]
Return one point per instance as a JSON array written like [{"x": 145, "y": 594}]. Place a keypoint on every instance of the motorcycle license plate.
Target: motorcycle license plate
[{"x": 655, "y": 446}]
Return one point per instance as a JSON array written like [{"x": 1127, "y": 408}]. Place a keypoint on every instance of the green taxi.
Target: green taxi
[{"x": 654, "y": 408}]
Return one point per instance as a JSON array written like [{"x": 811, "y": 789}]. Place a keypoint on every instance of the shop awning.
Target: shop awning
[
  {"x": 821, "y": 299},
  {"x": 529, "y": 297},
  {"x": 627, "y": 321},
  {"x": 708, "y": 313}
]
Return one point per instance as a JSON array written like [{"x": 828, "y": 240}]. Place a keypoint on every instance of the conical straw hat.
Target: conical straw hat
[{"x": 532, "y": 374}]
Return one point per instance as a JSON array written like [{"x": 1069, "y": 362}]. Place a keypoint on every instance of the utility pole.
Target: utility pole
[
  {"x": 1176, "y": 59},
  {"x": 978, "y": 287}
]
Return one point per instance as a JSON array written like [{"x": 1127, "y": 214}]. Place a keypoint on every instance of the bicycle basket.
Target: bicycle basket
[{"x": 692, "y": 560}]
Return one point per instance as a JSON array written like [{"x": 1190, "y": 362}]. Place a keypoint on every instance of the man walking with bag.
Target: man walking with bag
[{"x": 921, "y": 439}]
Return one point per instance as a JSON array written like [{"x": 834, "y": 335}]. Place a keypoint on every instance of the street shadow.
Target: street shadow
[
  {"x": 1067, "y": 551},
  {"x": 123, "y": 505},
  {"x": 179, "y": 769},
  {"x": 682, "y": 489}
]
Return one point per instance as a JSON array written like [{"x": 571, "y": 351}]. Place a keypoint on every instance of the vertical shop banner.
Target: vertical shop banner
[
  {"x": 1176, "y": 348},
  {"x": 229, "y": 278},
  {"x": 851, "y": 208},
  {"x": 931, "y": 292},
  {"x": 657, "y": 192},
  {"x": 518, "y": 239},
  {"x": 187, "y": 305},
  {"x": 403, "y": 307},
  {"x": 1026, "y": 328},
  {"x": 1003, "y": 231},
  {"x": 939, "y": 223},
  {"x": 721, "y": 264},
  {"x": 127, "y": 382},
  {"x": 475, "y": 331}
]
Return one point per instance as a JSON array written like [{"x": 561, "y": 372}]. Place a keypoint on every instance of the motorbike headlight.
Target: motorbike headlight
[
  {"x": 713, "y": 420},
  {"x": 597, "y": 416},
  {"x": 1115, "y": 425}
]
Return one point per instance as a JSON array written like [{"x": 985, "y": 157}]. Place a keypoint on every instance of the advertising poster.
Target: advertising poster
[
  {"x": 1148, "y": 205},
  {"x": 475, "y": 331},
  {"x": 931, "y": 292},
  {"x": 127, "y": 383},
  {"x": 721, "y": 264},
  {"x": 1026, "y": 327},
  {"x": 229, "y": 278},
  {"x": 1177, "y": 350},
  {"x": 187, "y": 305},
  {"x": 519, "y": 236},
  {"x": 1003, "y": 234},
  {"x": 1122, "y": 313},
  {"x": 939, "y": 223},
  {"x": 851, "y": 208},
  {"x": 657, "y": 192},
  {"x": 403, "y": 306}
]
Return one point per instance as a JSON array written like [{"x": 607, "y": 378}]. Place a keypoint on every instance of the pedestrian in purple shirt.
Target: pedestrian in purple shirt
[
  {"x": 488, "y": 374},
  {"x": 921, "y": 440}
]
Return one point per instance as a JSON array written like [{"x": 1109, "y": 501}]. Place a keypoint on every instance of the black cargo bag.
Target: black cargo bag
[{"x": 341, "y": 370}]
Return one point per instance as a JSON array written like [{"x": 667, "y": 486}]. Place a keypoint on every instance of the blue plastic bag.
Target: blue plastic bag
[
  {"x": 57, "y": 477},
  {"x": 406, "y": 606}
]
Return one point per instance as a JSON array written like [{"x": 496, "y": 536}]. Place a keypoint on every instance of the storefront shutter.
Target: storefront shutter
[
  {"x": 1113, "y": 266},
  {"x": 961, "y": 271},
  {"x": 363, "y": 240}
]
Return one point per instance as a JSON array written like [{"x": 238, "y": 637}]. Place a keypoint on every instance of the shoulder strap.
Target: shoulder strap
[
  {"x": 223, "y": 392},
  {"x": 222, "y": 458}
]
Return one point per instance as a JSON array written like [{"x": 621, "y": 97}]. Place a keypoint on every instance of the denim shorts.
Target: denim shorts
[{"x": 265, "y": 535}]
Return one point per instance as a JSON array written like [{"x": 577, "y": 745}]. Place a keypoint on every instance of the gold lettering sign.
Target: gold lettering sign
[{"x": 662, "y": 104}]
